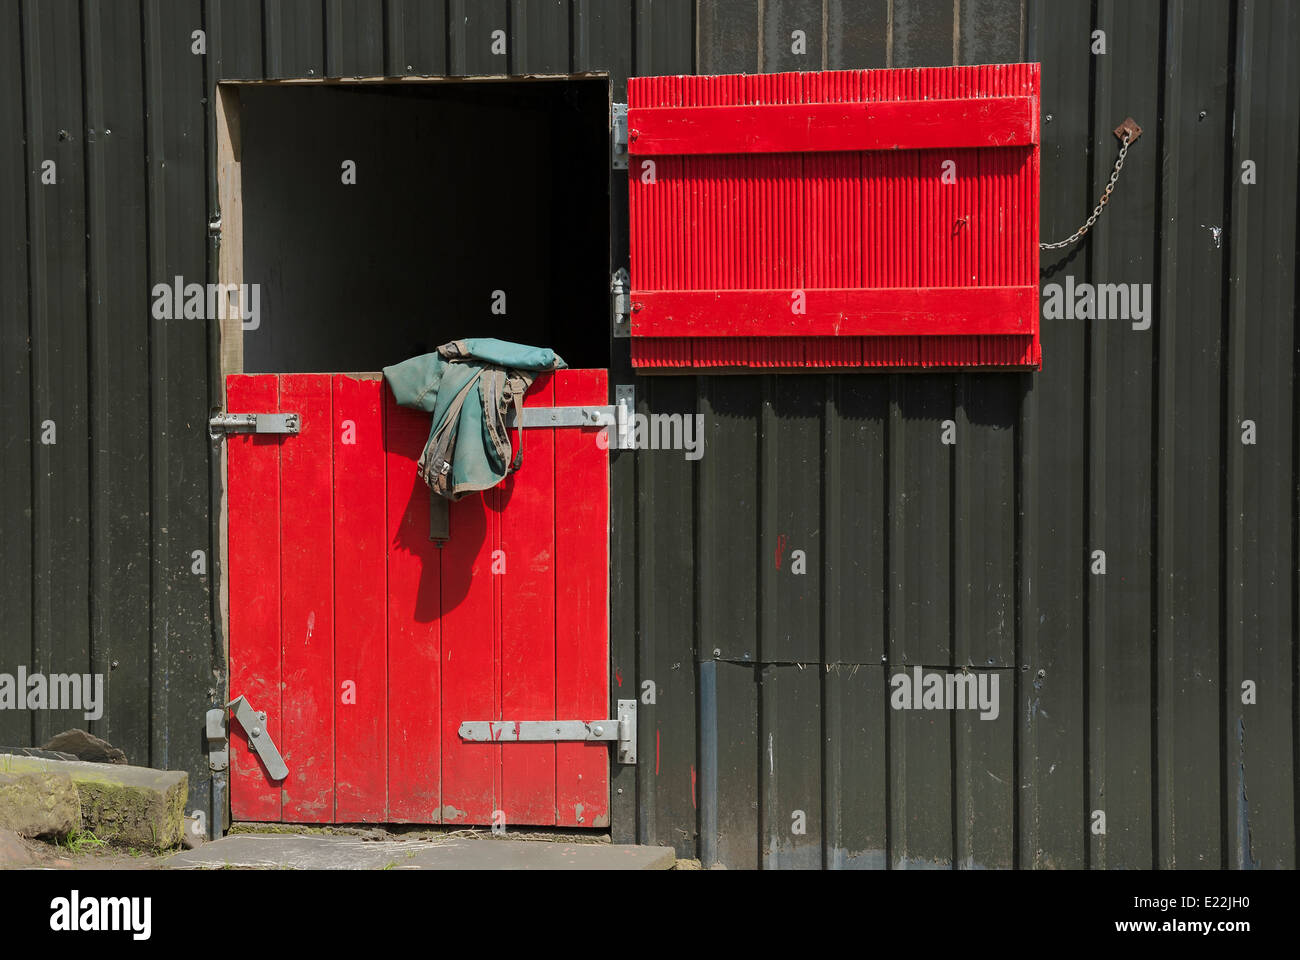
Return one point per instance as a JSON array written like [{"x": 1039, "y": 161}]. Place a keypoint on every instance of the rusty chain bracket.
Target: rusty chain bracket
[{"x": 1130, "y": 127}]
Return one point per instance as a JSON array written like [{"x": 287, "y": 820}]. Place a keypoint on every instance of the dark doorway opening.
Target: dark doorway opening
[{"x": 480, "y": 208}]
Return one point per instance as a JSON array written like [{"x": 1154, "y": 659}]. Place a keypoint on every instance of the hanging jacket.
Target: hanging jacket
[{"x": 469, "y": 386}]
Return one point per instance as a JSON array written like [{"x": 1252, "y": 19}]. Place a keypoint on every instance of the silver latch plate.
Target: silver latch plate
[
  {"x": 223, "y": 423},
  {"x": 618, "y": 120},
  {"x": 254, "y": 724},
  {"x": 218, "y": 744},
  {"x": 620, "y": 300},
  {"x": 627, "y": 731},
  {"x": 625, "y": 403}
]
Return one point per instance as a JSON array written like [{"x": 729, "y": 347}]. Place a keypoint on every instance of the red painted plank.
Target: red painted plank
[
  {"x": 838, "y": 312},
  {"x": 818, "y": 127},
  {"x": 951, "y": 218},
  {"x": 307, "y": 600},
  {"x": 470, "y": 771},
  {"x": 834, "y": 234},
  {"x": 581, "y": 603},
  {"x": 414, "y": 725},
  {"x": 253, "y": 576},
  {"x": 890, "y": 198},
  {"x": 527, "y": 617},
  {"x": 360, "y": 602}
]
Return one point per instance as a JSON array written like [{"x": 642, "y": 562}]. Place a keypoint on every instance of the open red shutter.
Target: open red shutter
[{"x": 864, "y": 218}]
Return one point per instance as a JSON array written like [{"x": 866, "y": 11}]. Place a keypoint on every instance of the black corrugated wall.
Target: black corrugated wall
[{"x": 1121, "y": 692}]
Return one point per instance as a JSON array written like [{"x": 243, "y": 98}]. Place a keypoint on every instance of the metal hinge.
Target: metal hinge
[
  {"x": 254, "y": 724},
  {"x": 621, "y": 731},
  {"x": 618, "y": 120},
  {"x": 625, "y": 399},
  {"x": 617, "y": 415},
  {"x": 589, "y": 416},
  {"x": 223, "y": 423},
  {"x": 619, "y": 305},
  {"x": 218, "y": 740}
]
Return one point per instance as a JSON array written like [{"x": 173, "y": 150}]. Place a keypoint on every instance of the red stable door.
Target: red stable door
[{"x": 367, "y": 646}]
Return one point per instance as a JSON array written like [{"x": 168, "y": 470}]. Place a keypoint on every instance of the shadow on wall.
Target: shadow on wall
[{"x": 986, "y": 398}]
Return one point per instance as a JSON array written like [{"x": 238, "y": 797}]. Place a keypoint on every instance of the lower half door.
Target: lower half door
[{"x": 367, "y": 645}]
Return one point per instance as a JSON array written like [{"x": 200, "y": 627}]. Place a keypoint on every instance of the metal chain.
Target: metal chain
[{"x": 1101, "y": 204}]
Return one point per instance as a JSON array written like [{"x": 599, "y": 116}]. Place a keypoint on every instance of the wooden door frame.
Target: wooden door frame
[{"x": 228, "y": 232}]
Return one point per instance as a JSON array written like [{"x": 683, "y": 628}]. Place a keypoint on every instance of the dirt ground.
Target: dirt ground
[{"x": 84, "y": 856}]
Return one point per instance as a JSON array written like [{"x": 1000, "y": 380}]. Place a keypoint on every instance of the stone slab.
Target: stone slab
[
  {"x": 36, "y": 804},
  {"x": 335, "y": 852},
  {"x": 127, "y": 806}
]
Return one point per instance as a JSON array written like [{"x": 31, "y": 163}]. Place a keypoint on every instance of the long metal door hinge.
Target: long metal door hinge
[
  {"x": 621, "y": 731},
  {"x": 616, "y": 415},
  {"x": 588, "y": 416},
  {"x": 222, "y": 423},
  {"x": 254, "y": 724},
  {"x": 618, "y": 120}
]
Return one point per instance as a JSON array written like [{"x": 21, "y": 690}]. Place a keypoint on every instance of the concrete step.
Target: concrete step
[{"x": 335, "y": 852}]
